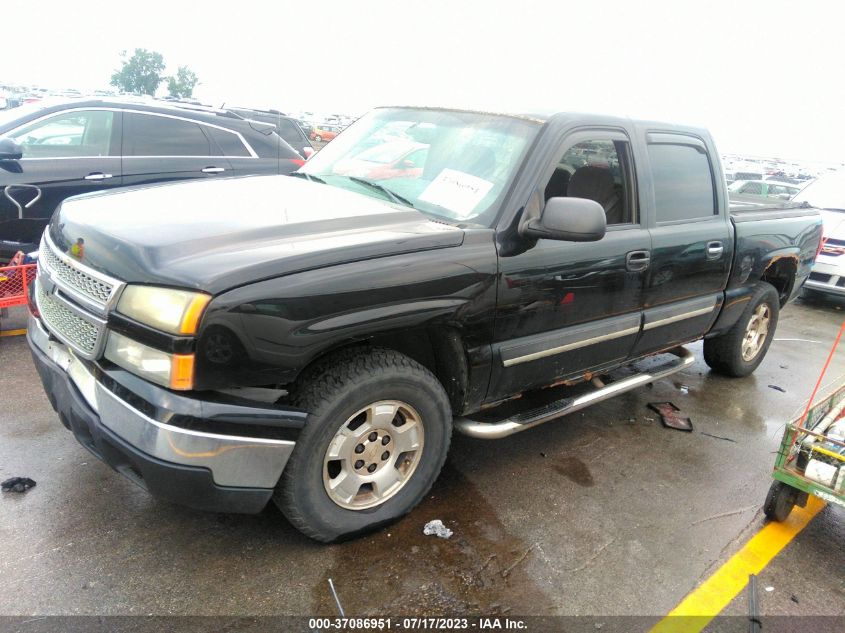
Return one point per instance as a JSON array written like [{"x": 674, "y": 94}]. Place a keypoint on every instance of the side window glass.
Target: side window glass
[
  {"x": 683, "y": 182},
  {"x": 596, "y": 170},
  {"x": 71, "y": 134},
  {"x": 150, "y": 135},
  {"x": 227, "y": 143},
  {"x": 753, "y": 188}
]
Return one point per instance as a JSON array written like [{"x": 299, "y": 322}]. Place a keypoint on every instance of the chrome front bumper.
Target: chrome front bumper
[{"x": 234, "y": 461}]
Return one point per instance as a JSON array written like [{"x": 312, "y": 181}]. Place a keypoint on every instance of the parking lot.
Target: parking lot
[{"x": 604, "y": 512}]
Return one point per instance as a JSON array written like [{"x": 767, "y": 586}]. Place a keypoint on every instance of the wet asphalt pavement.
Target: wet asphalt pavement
[{"x": 602, "y": 512}]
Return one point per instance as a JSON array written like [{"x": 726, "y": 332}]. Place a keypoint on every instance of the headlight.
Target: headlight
[
  {"x": 173, "y": 311},
  {"x": 175, "y": 371}
]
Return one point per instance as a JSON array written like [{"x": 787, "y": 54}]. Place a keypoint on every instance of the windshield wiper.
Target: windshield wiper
[
  {"x": 395, "y": 197},
  {"x": 309, "y": 177}
]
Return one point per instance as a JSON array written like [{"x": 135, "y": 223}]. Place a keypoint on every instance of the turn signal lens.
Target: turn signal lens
[{"x": 182, "y": 372}]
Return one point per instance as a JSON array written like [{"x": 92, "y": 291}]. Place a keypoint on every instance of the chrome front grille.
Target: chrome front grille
[
  {"x": 94, "y": 288},
  {"x": 83, "y": 334}
]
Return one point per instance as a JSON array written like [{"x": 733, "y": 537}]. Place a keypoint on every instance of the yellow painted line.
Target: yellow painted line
[
  {"x": 12, "y": 332},
  {"x": 706, "y": 601}
]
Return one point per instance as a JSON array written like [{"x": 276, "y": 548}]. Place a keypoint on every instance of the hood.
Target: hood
[{"x": 217, "y": 234}]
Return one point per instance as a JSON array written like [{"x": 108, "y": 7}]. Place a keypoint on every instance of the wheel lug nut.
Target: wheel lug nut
[
  {"x": 359, "y": 449},
  {"x": 373, "y": 436},
  {"x": 385, "y": 440},
  {"x": 371, "y": 468},
  {"x": 359, "y": 464},
  {"x": 385, "y": 455}
]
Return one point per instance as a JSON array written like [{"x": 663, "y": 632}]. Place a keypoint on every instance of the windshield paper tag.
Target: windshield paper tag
[{"x": 456, "y": 191}]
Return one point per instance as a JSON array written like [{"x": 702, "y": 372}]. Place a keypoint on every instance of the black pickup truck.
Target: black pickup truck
[{"x": 313, "y": 339}]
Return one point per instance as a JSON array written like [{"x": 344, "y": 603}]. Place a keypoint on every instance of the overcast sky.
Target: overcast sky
[{"x": 766, "y": 77}]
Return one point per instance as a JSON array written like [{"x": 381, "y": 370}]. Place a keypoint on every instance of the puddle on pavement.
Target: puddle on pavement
[
  {"x": 479, "y": 570},
  {"x": 575, "y": 470}
]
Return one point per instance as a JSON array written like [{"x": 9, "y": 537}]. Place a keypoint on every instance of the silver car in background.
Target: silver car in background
[{"x": 828, "y": 195}]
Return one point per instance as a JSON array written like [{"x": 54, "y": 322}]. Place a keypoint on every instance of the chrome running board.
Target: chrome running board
[{"x": 529, "y": 419}]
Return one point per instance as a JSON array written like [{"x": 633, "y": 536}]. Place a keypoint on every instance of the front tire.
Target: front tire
[
  {"x": 741, "y": 349},
  {"x": 377, "y": 435},
  {"x": 318, "y": 138}
]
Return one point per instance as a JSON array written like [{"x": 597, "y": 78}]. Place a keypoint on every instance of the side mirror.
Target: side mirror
[
  {"x": 308, "y": 152},
  {"x": 570, "y": 220},
  {"x": 9, "y": 150}
]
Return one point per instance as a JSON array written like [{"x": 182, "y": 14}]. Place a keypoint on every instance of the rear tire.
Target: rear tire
[
  {"x": 741, "y": 349},
  {"x": 352, "y": 469},
  {"x": 318, "y": 138}
]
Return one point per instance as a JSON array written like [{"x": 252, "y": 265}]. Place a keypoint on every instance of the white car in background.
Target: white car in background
[{"x": 828, "y": 195}]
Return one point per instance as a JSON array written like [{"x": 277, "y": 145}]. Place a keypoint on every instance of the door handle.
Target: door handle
[
  {"x": 21, "y": 207},
  {"x": 98, "y": 175},
  {"x": 637, "y": 261},
  {"x": 213, "y": 170},
  {"x": 714, "y": 250}
]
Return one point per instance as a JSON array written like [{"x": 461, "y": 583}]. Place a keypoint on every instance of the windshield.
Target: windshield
[
  {"x": 828, "y": 192},
  {"x": 455, "y": 165}
]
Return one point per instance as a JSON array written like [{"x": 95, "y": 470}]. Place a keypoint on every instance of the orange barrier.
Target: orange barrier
[{"x": 14, "y": 284}]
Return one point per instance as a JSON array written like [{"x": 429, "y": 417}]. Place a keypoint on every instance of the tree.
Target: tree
[
  {"x": 141, "y": 73},
  {"x": 183, "y": 83}
]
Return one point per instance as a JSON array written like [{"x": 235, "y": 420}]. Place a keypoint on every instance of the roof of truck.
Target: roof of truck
[{"x": 543, "y": 115}]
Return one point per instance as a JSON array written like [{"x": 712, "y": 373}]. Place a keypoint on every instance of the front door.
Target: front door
[{"x": 566, "y": 308}]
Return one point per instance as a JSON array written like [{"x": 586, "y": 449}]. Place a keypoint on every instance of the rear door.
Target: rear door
[
  {"x": 160, "y": 147},
  {"x": 64, "y": 154},
  {"x": 692, "y": 241}
]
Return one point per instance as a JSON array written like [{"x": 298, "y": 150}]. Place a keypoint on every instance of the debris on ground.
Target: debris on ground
[
  {"x": 719, "y": 437},
  {"x": 794, "y": 598},
  {"x": 669, "y": 416},
  {"x": 17, "y": 484},
  {"x": 776, "y": 388},
  {"x": 437, "y": 528},
  {"x": 754, "y": 624},
  {"x": 336, "y": 599},
  {"x": 516, "y": 562},
  {"x": 722, "y": 515},
  {"x": 770, "y": 589}
]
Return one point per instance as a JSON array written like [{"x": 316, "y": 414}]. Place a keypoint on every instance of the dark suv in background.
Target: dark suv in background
[
  {"x": 286, "y": 127},
  {"x": 51, "y": 152}
]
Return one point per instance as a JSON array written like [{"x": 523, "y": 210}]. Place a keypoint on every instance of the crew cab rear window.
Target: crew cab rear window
[
  {"x": 683, "y": 182},
  {"x": 150, "y": 135}
]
